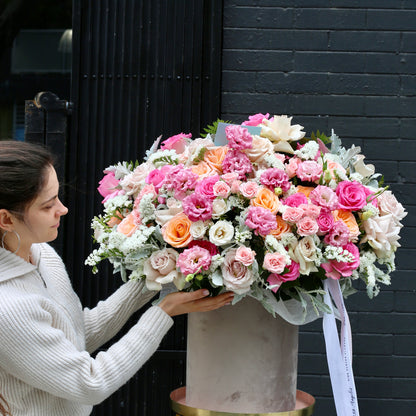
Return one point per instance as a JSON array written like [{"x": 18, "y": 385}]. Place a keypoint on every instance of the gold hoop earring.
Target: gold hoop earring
[{"x": 18, "y": 240}]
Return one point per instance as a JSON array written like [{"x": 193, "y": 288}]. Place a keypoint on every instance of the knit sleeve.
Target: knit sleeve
[
  {"x": 108, "y": 317},
  {"x": 34, "y": 351}
]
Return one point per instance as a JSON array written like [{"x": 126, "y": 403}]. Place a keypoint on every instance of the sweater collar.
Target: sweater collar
[{"x": 12, "y": 266}]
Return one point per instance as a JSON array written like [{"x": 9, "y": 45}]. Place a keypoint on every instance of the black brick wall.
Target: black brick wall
[{"x": 347, "y": 65}]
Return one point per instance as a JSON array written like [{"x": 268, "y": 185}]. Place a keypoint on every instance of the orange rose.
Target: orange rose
[
  {"x": 128, "y": 226},
  {"x": 214, "y": 157},
  {"x": 115, "y": 220},
  {"x": 349, "y": 220},
  {"x": 176, "y": 231},
  {"x": 306, "y": 190},
  {"x": 265, "y": 198},
  {"x": 202, "y": 169},
  {"x": 282, "y": 227}
]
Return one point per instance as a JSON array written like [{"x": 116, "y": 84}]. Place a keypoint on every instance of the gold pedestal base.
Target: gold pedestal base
[{"x": 304, "y": 406}]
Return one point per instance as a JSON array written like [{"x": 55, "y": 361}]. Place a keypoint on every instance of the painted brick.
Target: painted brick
[
  {"x": 359, "y": 302},
  {"x": 233, "y": 80},
  {"x": 257, "y": 60},
  {"x": 319, "y": 385},
  {"x": 375, "y": 4},
  {"x": 341, "y": 40},
  {"x": 407, "y": 171},
  {"x": 374, "y": 344},
  {"x": 372, "y": 387},
  {"x": 384, "y": 406},
  {"x": 311, "y": 342},
  {"x": 391, "y": 19},
  {"x": 403, "y": 280},
  {"x": 407, "y": 235},
  {"x": 408, "y": 42},
  {"x": 406, "y": 301},
  {"x": 363, "y": 84},
  {"x": 366, "y": 127},
  {"x": 404, "y": 388},
  {"x": 392, "y": 323},
  {"x": 408, "y": 84},
  {"x": 325, "y": 18},
  {"x": 385, "y": 106},
  {"x": 405, "y": 345},
  {"x": 407, "y": 131}
]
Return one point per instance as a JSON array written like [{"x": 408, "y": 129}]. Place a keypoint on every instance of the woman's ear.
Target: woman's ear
[{"x": 6, "y": 220}]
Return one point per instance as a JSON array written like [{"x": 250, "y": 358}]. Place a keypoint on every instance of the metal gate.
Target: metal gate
[{"x": 140, "y": 69}]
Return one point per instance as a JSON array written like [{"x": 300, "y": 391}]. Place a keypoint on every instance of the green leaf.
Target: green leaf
[{"x": 212, "y": 128}]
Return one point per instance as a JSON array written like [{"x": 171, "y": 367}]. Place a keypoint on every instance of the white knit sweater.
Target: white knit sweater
[{"x": 46, "y": 338}]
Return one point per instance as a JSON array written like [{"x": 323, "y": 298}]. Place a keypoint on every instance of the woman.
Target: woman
[{"x": 46, "y": 341}]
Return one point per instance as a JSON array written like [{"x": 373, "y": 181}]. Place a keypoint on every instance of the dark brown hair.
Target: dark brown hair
[{"x": 23, "y": 173}]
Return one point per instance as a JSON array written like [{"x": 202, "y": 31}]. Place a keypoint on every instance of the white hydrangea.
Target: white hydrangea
[{"x": 308, "y": 151}]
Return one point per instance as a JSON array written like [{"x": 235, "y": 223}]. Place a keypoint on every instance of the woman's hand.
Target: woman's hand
[{"x": 179, "y": 303}]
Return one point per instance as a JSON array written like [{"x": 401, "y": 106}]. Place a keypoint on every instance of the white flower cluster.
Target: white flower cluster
[
  {"x": 274, "y": 161},
  {"x": 338, "y": 254},
  {"x": 147, "y": 208},
  {"x": 308, "y": 151},
  {"x": 117, "y": 203},
  {"x": 136, "y": 241},
  {"x": 164, "y": 157}
]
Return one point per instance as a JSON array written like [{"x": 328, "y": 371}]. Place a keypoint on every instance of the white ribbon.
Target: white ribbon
[{"x": 339, "y": 352}]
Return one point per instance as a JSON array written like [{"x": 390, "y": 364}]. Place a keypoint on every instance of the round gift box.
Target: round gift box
[{"x": 304, "y": 406}]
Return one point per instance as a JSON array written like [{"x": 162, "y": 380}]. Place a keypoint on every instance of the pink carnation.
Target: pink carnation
[
  {"x": 197, "y": 207},
  {"x": 292, "y": 215},
  {"x": 296, "y": 199},
  {"x": 181, "y": 181},
  {"x": 261, "y": 220},
  {"x": 339, "y": 235},
  {"x": 238, "y": 137},
  {"x": 310, "y": 210},
  {"x": 324, "y": 197},
  {"x": 309, "y": 171},
  {"x": 193, "y": 260},
  {"x": 238, "y": 162},
  {"x": 229, "y": 177},
  {"x": 177, "y": 142},
  {"x": 352, "y": 196},
  {"x": 307, "y": 226},
  {"x": 335, "y": 269},
  {"x": 255, "y": 119},
  {"x": 206, "y": 186},
  {"x": 275, "y": 178}
]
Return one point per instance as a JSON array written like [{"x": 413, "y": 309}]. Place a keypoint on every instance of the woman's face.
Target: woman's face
[{"x": 41, "y": 219}]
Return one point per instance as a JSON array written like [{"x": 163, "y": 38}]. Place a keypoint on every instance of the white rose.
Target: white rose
[
  {"x": 198, "y": 229},
  {"x": 221, "y": 233},
  {"x": 164, "y": 215},
  {"x": 305, "y": 254},
  {"x": 219, "y": 207},
  {"x": 260, "y": 148},
  {"x": 388, "y": 204},
  {"x": 132, "y": 182},
  {"x": 236, "y": 276},
  {"x": 160, "y": 269},
  {"x": 382, "y": 233}
]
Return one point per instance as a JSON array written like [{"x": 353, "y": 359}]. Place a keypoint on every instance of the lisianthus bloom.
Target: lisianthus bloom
[
  {"x": 180, "y": 180},
  {"x": 237, "y": 161},
  {"x": 352, "y": 196},
  {"x": 255, "y": 119},
  {"x": 335, "y": 269},
  {"x": 325, "y": 197},
  {"x": 177, "y": 142},
  {"x": 275, "y": 178},
  {"x": 197, "y": 207},
  {"x": 236, "y": 276},
  {"x": 238, "y": 137},
  {"x": 295, "y": 200},
  {"x": 309, "y": 171},
  {"x": 339, "y": 235},
  {"x": 212, "y": 248},
  {"x": 261, "y": 220},
  {"x": 193, "y": 260}
]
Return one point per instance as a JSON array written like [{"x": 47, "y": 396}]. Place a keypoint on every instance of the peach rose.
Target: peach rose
[
  {"x": 265, "y": 198},
  {"x": 305, "y": 190},
  {"x": 202, "y": 169},
  {"x": 332, "y": 166},
  {"x": 115, "y": 220},
  {"x": 177, "y": 231},
  {"x": 214, "y": 157},
  {"x": 128, "y": 226},
  {"x": 349, "y": 220},
  {"x": 282, "y": 227}
]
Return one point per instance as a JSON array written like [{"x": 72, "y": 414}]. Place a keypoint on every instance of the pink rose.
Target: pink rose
[
  {"x": 205, "y": 187},
  {"x": 238, "y": 137},
  {"x": 221, "y": 189},
  {"x": 351, "y": 195},
  {"x": 278, "y": 279},
  {"x": 249, "y": 189},
  {"x": 292, "y": 215},
  {"x": 325, "y": 221},
  {"x": 156, "y": 177},
  {"x": 309, "y": 171},
  {"x": 197, "y": 207},
  {"x": 236, "y": 276},
  {"x": 177, "y": 142},
  {"x": 292, "y": 166},
  {"x": 324, "y": 197},
  {"x": 274, "y": 262},
  {"x": 261, "y": 220},
  {"x": 335, "y": 269},
  {"x": 255, "y": 119},
  {"x": 229, "y": 177},
  {"x": 307, "y": 226},
  {"x": 245, "y": 255},
  {"x": 296, "y": 199}
]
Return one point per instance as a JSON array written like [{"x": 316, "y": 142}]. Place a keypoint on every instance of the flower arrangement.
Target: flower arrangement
[{"x": 268, "y": 213}]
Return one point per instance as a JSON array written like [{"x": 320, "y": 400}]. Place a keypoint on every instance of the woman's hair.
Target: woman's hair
[
  {"x": 23, "y": 173},
  {"x": 4, "y": 407}
]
